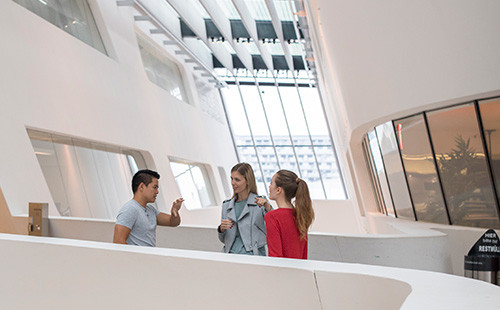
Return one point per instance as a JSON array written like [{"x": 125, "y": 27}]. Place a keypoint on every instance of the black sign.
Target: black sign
[{"x": 487, "y": 245}]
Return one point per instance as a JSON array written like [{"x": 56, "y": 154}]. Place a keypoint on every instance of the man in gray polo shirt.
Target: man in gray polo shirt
[{"x": 136, "y": 222}]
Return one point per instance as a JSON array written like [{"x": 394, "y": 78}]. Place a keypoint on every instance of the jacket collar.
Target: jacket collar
[{"x": 231, "y": 213}]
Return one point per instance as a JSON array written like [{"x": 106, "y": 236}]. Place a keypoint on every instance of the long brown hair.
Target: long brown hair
[
  {"x": 247, "y": 172},
  {"x": 295, "y": 187}
]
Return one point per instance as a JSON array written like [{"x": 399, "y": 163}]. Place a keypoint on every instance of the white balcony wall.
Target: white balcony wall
[{"x": 54, "y": 82}]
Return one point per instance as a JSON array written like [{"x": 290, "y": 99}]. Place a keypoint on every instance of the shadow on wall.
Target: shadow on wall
[
  {"x": 8, "y": 223},
  {"x": 330, "y": 284}
]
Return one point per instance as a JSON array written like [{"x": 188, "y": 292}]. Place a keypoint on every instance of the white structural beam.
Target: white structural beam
[
  {"x": 144, "y": 10},
  {"x": 189, "y": 13},
  {"x": 164, "y": 14},
  {"x": 251, "y": 26},
  {"x": 224, "y": 25},
  {"x": 279, "y": 32}
]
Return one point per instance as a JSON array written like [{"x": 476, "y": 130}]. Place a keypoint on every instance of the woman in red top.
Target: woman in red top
[{"x": 287, "y": 226}]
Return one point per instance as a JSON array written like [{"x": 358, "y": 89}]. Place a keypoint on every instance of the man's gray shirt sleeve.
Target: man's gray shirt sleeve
[{"x": 127, "y": 216}]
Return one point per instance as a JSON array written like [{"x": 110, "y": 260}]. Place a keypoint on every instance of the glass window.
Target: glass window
[
  {"x": 380, "y": 172},
  {"x": 256, "y": 116},
  {"x": 490, "y": 115},
  {"x": 85, "y": 179},
  {"x": 310, "y": 172},
  {"x": 282, "y": 104},
  {"x": 225, "y": 181},
  {"x": 394, "y": 170},
  {"x": 332, "y": 180},
  {"x": 236, "y": 115},
  {"x": 161, "y": 70},
  {"x": 462, "y": 166},
  {"x": 74, "y": 17},
  {"x": 194, "y": 184},
  {"x": 420, "y": 169}
]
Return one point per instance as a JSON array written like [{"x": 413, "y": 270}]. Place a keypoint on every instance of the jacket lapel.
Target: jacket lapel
[
  {"x": 231, "y": 213},
  {"x": 250, "y": 202}
]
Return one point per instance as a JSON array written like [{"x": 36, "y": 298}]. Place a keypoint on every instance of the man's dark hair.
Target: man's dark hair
[{"x": 143, "y": 176}]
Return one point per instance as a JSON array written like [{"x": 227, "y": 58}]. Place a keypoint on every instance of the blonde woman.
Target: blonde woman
[
  {"x": 287, "y": 226},
  {"x": 242, "y": 228}
]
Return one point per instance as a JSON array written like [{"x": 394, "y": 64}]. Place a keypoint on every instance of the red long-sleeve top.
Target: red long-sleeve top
[{"x": 283, "y": 237}]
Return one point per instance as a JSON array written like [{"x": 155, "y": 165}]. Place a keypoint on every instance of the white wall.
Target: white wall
[
  {"x": 82, "y": 275},
  {"x": 409, "y": 245},
  {"x": 54, "y": 82},
  {"x": 379, "y": 60}
]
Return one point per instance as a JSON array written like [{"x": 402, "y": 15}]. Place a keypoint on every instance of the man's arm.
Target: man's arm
[
  {"x": 121, "y": 234},
  {"x": 173, "y": 219}
]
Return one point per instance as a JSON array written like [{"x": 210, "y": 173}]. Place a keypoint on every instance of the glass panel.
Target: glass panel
[
  {"x": 293, "y": 111},
  {"x": 199, "y": 178},
  {"x": 47, "y": 158},
  {"x": 394, "y": 170},
  {"x": 287, "y": 158},
  {"x": 71, "y": 177},
  {"x": 256, "y": 114},
  {"x": 85, "y": 179},
  {"x": 236, "y": 115},
  {"x": 490, "y": 115},
  {"x": 161, "y": 70},
  {"x": 268, "y": 162},
  {"x": 462, "y": 166},
  {"x": 225, "y": 181},
  {"x": 186, "y": 185},
  {"x": 248, "y": 155},
  {"x": 330, "y": 173},
  {"x": 277, "y": 123},
  {"x": 90, "y": 180},
  {"x": 314, "y": 114},
  {"x": 420, "y": 169},
  {"x": 74, "y": 17},
  {"x": 380, "y": 171},
  {"x": 117, "y": 187},
  {"x": 194, "y": 184},
  {"x": 310, "y": 172}
]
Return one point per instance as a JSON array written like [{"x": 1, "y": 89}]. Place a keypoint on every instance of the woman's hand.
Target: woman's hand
[
  {"x": 261, "y": 201},
  {"x": 225, "y": 224}
]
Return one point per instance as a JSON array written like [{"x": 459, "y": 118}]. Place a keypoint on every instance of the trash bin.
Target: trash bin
[
  {"x": 484, "y": 268},
  {"x": 483, "y": 261}
]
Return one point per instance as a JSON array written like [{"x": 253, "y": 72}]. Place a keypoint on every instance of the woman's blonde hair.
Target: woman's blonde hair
[
  {"x": 295, "y": 187},
  {"x": 247, "y": 172}
]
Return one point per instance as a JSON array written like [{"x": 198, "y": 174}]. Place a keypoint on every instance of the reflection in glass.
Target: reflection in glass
[
  {"x": 394, "y": 170},
  {"x": 490, "y": 115},
  {"x": 74, "y": 17},
  {"x": 85, "y": 179},
  {"x": 161, "y": 70},
  {"x": 380, "y": 172},
  {"x": 194, "y": 185},
  {"x": 420, "y": 169},
  {"x": 462, "y": 166}
]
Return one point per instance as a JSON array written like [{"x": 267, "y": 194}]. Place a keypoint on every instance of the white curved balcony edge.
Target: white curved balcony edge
[{"x": 64, "y": 273}]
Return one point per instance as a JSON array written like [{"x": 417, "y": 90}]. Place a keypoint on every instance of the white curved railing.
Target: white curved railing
[{"x": 54, "y": 273}]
